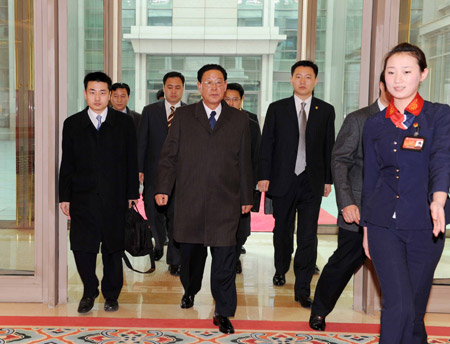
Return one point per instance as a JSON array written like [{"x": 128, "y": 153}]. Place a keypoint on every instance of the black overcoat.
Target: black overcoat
[{"x": 98, "y": 176}]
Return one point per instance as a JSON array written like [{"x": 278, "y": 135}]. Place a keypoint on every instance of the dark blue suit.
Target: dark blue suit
[{"x": 397, "y": 191}]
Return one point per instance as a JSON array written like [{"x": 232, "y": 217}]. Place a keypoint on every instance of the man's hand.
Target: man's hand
[
  {"x": 141, "y": 178},
  {"x": 263, "y": 185},
  {"x": 130, "y": 202},
  {"x": 246, "y": 208},
  {"x": 327, "y": 190},
  {"x": 161, "y": 199},
  {"x": 351, "y": 214},
  {"x": 65, "y": 207}
]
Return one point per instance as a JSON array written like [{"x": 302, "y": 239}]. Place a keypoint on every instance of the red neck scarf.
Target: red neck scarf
[{"x": 399, "y": 119}]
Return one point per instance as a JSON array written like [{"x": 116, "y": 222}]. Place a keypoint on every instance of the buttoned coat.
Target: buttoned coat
[
  {"x": 98, "y": 176},
  {"x": 212, "y": 170},
  {"x": 402, "y": 181},
  {"x": 279, "y": 145},
  {"x": 347, "y": 162}
]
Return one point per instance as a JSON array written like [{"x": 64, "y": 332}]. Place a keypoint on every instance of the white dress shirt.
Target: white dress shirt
[{"x": 93, "y": 116}]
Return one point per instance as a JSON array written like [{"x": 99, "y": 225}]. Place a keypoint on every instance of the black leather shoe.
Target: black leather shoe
[
  {"x": 316, "y": 270},
  {"x": 86, "y": 303},
  {"x": 316, "y": 322},
  {"x": 279, "y": 280},
  {"x": 243, "y": 250},
  {"x": 238, "y": 267},
  {"x": 174, "y": 270},
  {"x": 187, "y": 301},
  {"x": 111, "y": 305},
  {"x": 158, "y": 254},
  {"x": 224, "y": 324},
  {"x": 305, "y": 301}
]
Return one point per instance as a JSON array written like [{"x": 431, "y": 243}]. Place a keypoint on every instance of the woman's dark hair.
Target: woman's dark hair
[{"x": 410, "y": 49}]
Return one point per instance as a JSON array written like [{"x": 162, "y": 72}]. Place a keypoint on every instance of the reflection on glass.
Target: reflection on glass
[
  {"x": 429, "y": 29},
  {"x": 338, "y": 54},
  {"x": 286, "y": 18},
  {"x": 85, "y": 47},
  {"x": 245, "y": 70},
  {"x": 159, "y": 12},
  {"x": 16, "y": 139}
]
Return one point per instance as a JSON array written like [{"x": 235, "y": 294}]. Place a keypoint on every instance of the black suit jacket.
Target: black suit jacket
[
  {"x": 98, "y": 176},
  {"x": 152, "y": 134},
  {"x": 136, "y": 118},
  {"x": 347, "y": 162},
  {"x": 280, "y": 142}
]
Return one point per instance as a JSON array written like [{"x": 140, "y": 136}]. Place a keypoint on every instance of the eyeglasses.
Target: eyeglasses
[{"x": 210, "y": 83}]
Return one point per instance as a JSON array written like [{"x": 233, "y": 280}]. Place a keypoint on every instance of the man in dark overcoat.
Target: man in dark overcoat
[
  {"x": 234, "y": 96},
  {"x": 120, "y": 95},
  {"x": 98, "y": 179},
  {"x": 207, "y": 155},
  {"x": 156, "y": 121}
]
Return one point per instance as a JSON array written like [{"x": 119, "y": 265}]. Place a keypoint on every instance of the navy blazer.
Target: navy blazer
[{"x": 402, "y": 181}]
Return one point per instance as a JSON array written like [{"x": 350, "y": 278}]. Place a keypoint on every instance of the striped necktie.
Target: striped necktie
[{"x": 170, "y": 118}]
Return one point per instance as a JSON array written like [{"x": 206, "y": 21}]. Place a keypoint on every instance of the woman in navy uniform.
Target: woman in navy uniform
[{"x": 406, "y": 182}]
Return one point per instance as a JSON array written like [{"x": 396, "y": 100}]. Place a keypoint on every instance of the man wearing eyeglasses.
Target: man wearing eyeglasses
[
  {"x": 120, "y": 95},
  {"x": 207, "y": 155}
]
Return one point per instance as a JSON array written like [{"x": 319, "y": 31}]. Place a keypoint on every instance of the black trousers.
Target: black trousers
[
  {"x": 161, "y": 224},
  {"x": 299, "y": 199},
  {"x": 341, "y": 266},
  {"x": 243, "y": 233},
  {"x": 223, "y": 274},
  {"x": 112, "y": 280}
]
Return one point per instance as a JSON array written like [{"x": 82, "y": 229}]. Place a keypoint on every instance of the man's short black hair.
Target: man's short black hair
[
  {"x": 160, "y": 94},
  {"x": 121, "y": 85},
  {"x": 173, "y": 75},
  {"x": 99, "y": 77},
  {"x": 305, "y": 63},
  {"x": 208, "y": 67},
  {"x": 236, "y": 87}
]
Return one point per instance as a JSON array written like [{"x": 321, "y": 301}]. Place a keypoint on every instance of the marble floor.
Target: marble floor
[{"x": 158, "y": 295}]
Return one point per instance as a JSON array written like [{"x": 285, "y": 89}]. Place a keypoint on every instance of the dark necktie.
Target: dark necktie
[
  {"x": 300, "y": 163},
  {"x": 170, "y": 118},
  {"x": 99, "y": 124},
  {"x": 212, "y": 120}
]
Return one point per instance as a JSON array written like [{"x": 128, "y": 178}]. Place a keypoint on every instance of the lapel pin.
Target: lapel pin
[{"x": 317, "y": 107}]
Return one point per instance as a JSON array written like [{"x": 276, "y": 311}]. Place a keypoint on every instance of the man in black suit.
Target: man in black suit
[
  {"x": 295, "y": 169},
  {"x": 347, "y": 167},
  {"x": 98, "y": 180},
  {"x": 207, "y": 154},
  {"x": 120, "y": 95},
  {"x": 234, "y": 96},
  {"x": 155, "y": 124}
]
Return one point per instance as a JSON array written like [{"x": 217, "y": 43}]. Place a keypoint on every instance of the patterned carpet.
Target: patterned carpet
[{"x": 114, "y": 330}]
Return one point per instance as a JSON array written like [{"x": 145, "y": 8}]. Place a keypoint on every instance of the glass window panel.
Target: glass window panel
[
  {"x": 286, "y": 18},
  {"x": 245, "y": 70},
  {"x": 159, "y": 12},
  {"x": 85, "y": 51},
  {"x": 17, "y": 203},
  {"x": 430, "y": 31}
]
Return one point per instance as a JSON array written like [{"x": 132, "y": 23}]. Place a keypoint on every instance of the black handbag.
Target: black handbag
[{"x": 138, "y": 238}]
